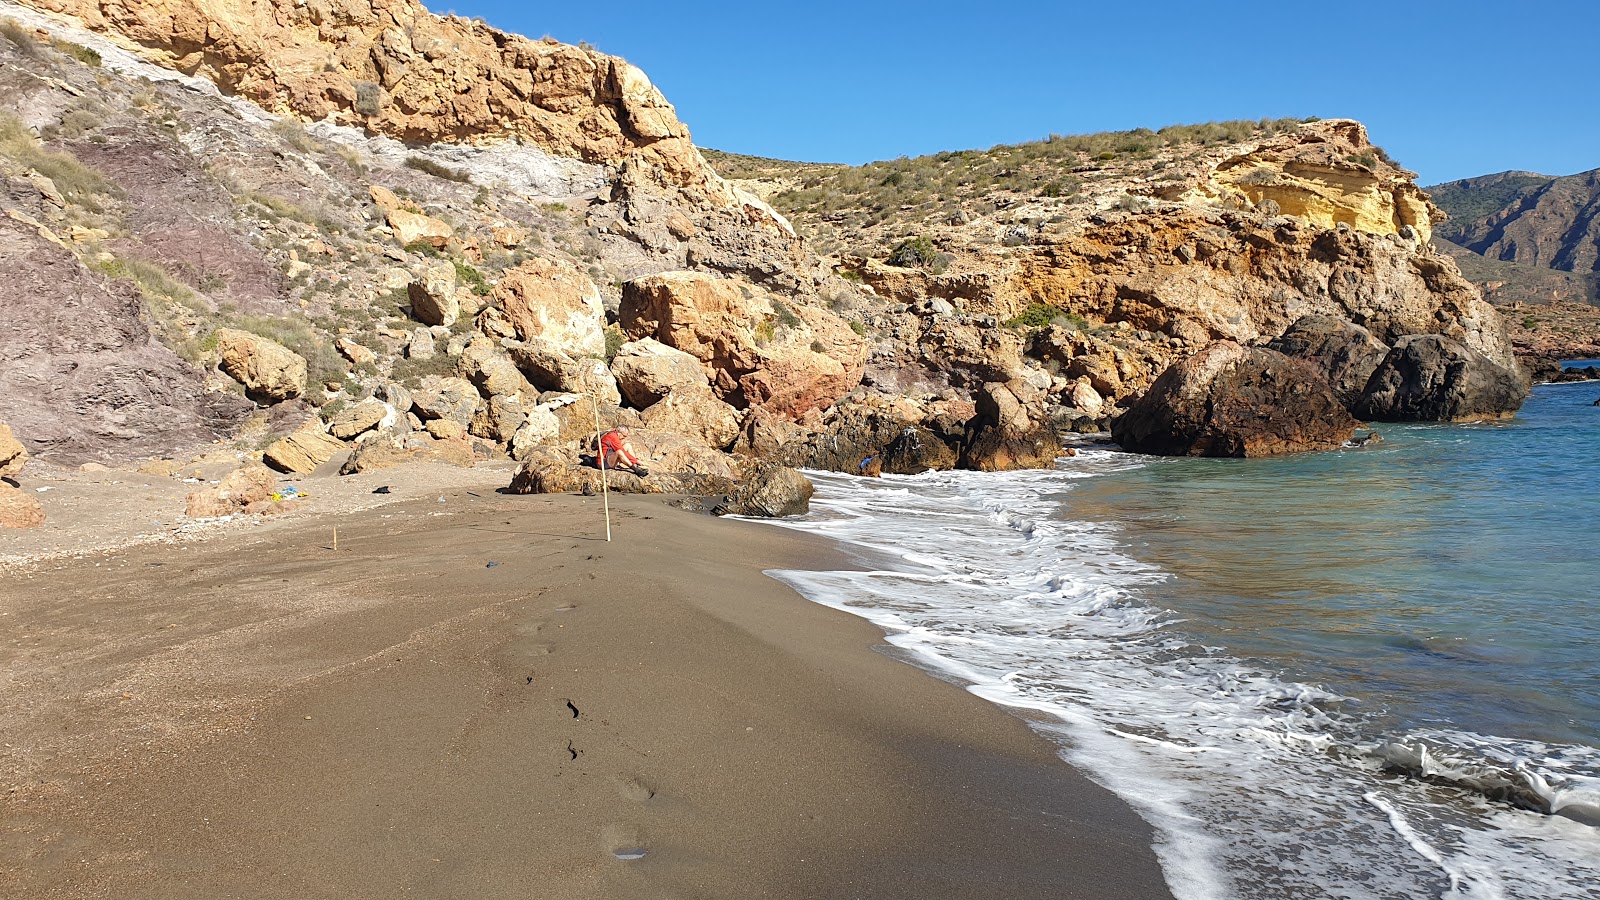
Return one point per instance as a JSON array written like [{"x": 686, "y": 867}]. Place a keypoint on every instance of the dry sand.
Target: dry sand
[{"x": 482, "y": 698}]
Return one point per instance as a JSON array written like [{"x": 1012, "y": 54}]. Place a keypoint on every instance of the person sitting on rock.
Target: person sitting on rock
[{"x": 617, "y": 453}]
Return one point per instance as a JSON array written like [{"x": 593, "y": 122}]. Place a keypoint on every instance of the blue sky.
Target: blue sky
[{"x": 1450, "y": 89}]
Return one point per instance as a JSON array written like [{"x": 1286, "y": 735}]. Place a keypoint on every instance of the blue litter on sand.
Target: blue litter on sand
[{"x": 490, "y": 565}]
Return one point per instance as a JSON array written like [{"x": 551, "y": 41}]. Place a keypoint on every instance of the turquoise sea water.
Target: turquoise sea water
[
  {"x": 1366, "y": 673},
  {"x": 1447, "y": 576}
]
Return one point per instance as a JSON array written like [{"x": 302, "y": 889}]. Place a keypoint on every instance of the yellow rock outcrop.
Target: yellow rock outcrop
[
  {"x": 1330, "y": 174},
  {"x": 393, "y": 68}
]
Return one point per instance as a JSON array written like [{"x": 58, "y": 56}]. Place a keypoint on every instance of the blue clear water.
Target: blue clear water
[
  {"x": 1444, "y": 577},
  {"x": 1366, "y": 673}
]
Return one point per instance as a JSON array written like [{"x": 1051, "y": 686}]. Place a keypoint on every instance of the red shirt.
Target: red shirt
[{"x": 613, "y": 442}]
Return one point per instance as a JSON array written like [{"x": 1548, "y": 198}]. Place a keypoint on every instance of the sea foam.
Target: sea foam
[{"x": 1257, "y": 786}]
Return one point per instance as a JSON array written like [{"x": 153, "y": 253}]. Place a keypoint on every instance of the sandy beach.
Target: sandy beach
[{"x": 480, "y": 697}]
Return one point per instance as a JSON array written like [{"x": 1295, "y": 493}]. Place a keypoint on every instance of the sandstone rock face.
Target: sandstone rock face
[
  {"x": 13, "y": 456},
  {"x": 446, "y": 398},
  {"x": 553, "y": 301},
  {"x": 1230, "y": 400},
  {"x": 354, "y": 352},
  {"x": 790, "y": 361},
  {"x": 233, "y": 494},
  {"x": 303, "y": 450},
  {"x": 19, "y": 509},
  {"x": 899, "y": 436},
  {"x": 648, "y": 370},
  {"x": 359, "y": 419},
  {"x": 1346, "y": 353},
  {"x": 393, "y": 68},
  {"x": 694, "y": 411},
  {"x": 1339, "y": 179},
  {"x": 433, "y": 296},
  {"x": 269, "y": 371},
  {"x": 1429, "y": 378},
  {"x": 550, "y": 368},
  {"x": 761, "y": 489}
]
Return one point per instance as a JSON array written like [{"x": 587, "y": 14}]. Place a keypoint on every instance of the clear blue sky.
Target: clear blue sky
[{"x": 1451, "y": 89}]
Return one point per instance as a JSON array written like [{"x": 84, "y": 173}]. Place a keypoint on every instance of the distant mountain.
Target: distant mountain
[{"x": 1521, "y": 217}]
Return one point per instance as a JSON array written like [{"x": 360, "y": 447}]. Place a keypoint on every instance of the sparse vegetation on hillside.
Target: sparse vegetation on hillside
[
  {"x": 77, "y": 182},
  {"x": 1472, "y": 199}
]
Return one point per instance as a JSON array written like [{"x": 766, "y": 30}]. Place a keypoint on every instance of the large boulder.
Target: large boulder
[
  {"x": 759, "y": 352},
  {"x": 19, "y": 509},
  {"x": 433, "y": 295},
  {"x": 550, "y": 368},
  {"x": 381, "y": 454},
  {"x": 759, "y": 489},
  {"x": 897, "y": 434},
  {"x": 648, "y": 370},
  {"x": 360, "y": 418},
  {"x": 1230, "y": 400},
  {"x": 249, "y": 484},
  {"x": 269, "y": 371},
  {"x": 303, "y": 450},
  {"x": 1346, "y": 353},
  {"x": 13, "y": 456},
  {"x": 1431, "y": 378},
  {"x": 769, "y": 491},
  {"x": 695, "y": 412},
  {"x": 551, "y": 299},
  {"x": 488, "y": 367},
  {"x": 445, "y": 398},
  {"x": 1005, "y": 436}
]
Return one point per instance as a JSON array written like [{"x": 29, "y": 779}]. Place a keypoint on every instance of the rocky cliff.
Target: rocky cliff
[{"x": 307, "y": 229}]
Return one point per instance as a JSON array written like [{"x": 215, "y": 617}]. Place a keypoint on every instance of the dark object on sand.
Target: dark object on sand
[{"x": 381, "y": 490}]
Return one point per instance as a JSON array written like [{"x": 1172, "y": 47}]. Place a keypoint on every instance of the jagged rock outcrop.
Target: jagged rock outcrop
[
  {"x": 13, "y": 456},
  {"x": 269, "y": 371},
  {"x": 393, "y": 68},
  {"x": 303, "y": 450},
  {"x": 1429, "y": 378},
  {"x": 245, "y": 489},
  {"x": 1346, "y": 353},
  {"x": 1329, "y": 174},
  {"x": 791, "y": 361},
  {"x": 1232, "y": 400}
]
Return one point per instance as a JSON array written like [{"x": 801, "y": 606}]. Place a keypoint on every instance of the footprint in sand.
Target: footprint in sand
[
  {"x": 623, "y": 841},
  {"x": 632, "y": 788}
]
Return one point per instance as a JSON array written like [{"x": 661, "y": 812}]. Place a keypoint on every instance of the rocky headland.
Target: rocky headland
[{"x": 312, "y": 235}]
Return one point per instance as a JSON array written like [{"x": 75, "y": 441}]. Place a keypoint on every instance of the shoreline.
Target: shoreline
[{"x": 470, "y": 699}]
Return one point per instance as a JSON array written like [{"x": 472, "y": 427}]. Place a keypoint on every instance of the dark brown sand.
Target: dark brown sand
[{"x": 260, "y": 716}]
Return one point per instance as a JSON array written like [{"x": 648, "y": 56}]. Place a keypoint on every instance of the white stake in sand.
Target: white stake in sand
[{"x": 600, "y": 450}]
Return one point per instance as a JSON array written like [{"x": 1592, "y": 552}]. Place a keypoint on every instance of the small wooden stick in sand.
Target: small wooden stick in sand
[{"x": 336, "y": 539}]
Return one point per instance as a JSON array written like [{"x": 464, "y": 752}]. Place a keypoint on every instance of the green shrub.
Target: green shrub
[
  {"x": 472, "y": 278},
  {"x": 369, "y": 98},
  {"x": 913, "y": 252},
  {"x": 859, "y": 327},
  {"x": 1043, "y": 315},
  {"x": 614, "y": 341},
  {"x": 428, "y": 166},
  {"x": 294, "y": 134},
  {"x": 786, "y": 316},
  {"x": 86, "y": 55},
  {"x": 77, "y": 182}
]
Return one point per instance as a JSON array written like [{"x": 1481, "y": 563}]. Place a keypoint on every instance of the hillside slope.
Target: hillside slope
[{"x": 1552, "y": 223}]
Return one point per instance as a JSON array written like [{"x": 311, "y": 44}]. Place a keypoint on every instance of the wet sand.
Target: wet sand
[{"x": 482, "y": 698}]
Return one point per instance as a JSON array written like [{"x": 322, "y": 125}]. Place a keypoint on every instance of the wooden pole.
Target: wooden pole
[
  {"x": 600, "y": 456},
  {"x": 336, "y": 539}
]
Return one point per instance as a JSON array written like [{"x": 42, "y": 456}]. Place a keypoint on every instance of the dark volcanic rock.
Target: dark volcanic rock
[
  {"x": 1346, "y": 353},
  {"x": 855, "y": 433},
  {"x": 1229, "y": 400},
  {"x": 1430, "y": 378},
  {"x": 1002, "y": 436}
]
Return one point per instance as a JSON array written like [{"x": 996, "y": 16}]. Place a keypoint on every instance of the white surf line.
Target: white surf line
[{"x": 1398, "y": 822}]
